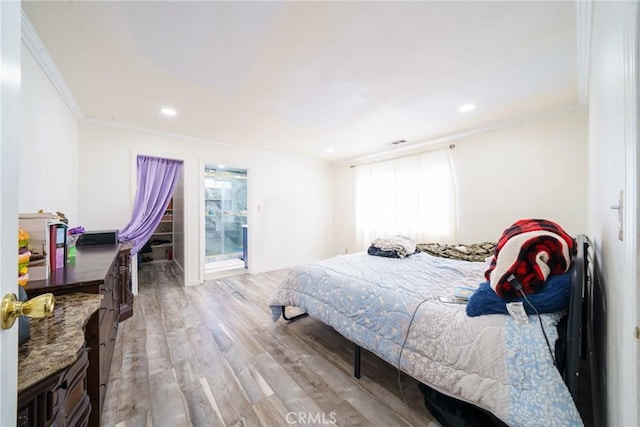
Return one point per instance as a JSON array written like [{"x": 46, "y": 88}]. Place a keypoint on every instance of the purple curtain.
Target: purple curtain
[{"x": 156, "y": 181}]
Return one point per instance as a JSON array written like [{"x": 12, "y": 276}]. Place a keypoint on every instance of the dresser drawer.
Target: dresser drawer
[
  {"x": 38, "y": 405},
  {"x": 76, "y": 399},
  {"x": 59, "y": 400},
  {"x": 106, "y": 308}
]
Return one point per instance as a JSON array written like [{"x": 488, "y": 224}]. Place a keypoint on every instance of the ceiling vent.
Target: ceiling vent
[{"x": 398, "y": 142}]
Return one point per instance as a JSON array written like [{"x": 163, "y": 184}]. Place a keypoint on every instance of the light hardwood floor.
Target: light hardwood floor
[{"x": 210, "y": 355}]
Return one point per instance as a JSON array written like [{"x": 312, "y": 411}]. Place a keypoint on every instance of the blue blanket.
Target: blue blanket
[{"x": 554, "y": 297}]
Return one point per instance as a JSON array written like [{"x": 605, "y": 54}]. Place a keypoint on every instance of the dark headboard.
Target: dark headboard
[{"x": 576, "y": 317}]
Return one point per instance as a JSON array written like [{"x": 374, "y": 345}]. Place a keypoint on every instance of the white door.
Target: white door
[
  {"x": 9, "y": 130},
  {"x": 613, "y": 134}
]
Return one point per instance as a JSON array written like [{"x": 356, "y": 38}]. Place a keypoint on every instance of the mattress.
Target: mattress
[{"x": 392, "y": 308}]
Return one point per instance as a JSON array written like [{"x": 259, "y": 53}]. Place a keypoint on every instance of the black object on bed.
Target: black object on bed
[{"x": 451, "y": 412}]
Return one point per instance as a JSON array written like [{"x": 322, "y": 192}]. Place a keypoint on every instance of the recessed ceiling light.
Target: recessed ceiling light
[
  {"x": 330, "y": 150},
  {"x": 466, "y": 107},
  {"x": 221, "y": 166},
  {"x": 168, "y": 111}
]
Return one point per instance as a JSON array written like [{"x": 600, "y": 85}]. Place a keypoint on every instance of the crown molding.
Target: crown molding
[
  {"x": 442, "y": 141},
  {"x": 150, "y": 131},
  {"x": 31, "y": 39},
  {"x": 195, "y": 139},
  {"x": 584, "y": 19}
]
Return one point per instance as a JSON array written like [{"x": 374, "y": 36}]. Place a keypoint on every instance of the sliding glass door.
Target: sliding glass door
[{"x": 225, "y": 202}]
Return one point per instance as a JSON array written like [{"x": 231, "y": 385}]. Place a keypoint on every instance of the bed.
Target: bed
[{"x": 392, "y": 308}]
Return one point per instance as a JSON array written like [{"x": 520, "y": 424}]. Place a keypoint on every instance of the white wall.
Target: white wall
[
  {"x": 289, "y": 197},
  {"x": 48, "y": 173},
  {"x": 533, "y": 170}
]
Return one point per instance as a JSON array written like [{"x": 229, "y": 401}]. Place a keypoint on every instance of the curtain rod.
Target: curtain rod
[
  {"x": 451, "y": 147},
  {"x": 150, "y": 156}
]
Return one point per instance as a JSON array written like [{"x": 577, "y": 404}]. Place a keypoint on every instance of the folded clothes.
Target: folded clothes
[
  {"x": 381, "y": 252},
  {"x": 402, "y": 245},
  {"x": 388, "y": 254}
]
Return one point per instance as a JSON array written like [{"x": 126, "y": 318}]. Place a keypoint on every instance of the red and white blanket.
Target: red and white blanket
[{"x": 531, "y": 250}]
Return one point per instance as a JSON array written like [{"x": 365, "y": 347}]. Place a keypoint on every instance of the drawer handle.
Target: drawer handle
[
  {"x": 64, "y": 385},
  {"x": 104, "y": 344}
]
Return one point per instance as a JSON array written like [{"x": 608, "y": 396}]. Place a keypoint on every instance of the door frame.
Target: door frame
[{"x": 201, "y": 223}]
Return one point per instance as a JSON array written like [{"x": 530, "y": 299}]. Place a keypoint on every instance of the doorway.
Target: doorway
[{"x": 225, "y": 219}]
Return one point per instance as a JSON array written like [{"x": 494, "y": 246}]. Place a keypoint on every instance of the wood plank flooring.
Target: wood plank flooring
[{"x": 210, "y": 355}]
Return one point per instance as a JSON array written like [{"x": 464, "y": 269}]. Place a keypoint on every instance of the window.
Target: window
[{"x": 413, "y": 196}]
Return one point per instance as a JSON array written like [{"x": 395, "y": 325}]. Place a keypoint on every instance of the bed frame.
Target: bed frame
[
  {"x": 581, "y": 284},
  {"x": 571, "y": 346}
]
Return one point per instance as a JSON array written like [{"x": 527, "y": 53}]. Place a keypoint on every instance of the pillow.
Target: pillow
[{"x": 553, "y": 297}]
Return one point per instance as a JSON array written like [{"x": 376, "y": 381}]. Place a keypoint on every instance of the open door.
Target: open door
[
  {"x": 225, "y": 220},
  {"x": 613, "y": 170},
  {"x": 9, "y": 129}
]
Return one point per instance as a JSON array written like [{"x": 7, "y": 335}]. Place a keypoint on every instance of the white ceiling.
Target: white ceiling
[{"x": 300, "y": 77}]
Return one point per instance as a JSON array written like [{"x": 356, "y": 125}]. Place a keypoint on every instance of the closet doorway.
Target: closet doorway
[{"x": 225, "y": 220}]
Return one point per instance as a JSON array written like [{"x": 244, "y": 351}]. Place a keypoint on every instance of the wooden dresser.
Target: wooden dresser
[
  {"x": 104, "y": 270},
  {"x": 53, "y": 363}
]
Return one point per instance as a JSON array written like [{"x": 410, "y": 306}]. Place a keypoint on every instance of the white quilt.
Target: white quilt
[{"x": 489, "y": 361}]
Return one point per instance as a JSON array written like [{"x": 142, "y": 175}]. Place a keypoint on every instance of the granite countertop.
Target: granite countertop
[{"x": 56, "y": 340}]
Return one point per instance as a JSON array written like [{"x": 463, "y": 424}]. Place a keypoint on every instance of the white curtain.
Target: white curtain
[{"x": 413, "y": 196}]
